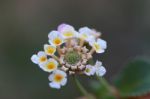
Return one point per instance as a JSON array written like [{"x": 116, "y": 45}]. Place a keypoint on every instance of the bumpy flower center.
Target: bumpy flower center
[
  {"x": 58, "y": 77},
  {"x": 72, "y": 57}
]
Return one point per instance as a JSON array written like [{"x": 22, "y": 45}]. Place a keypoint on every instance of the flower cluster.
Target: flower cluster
[{"x": 69, "y": 52}]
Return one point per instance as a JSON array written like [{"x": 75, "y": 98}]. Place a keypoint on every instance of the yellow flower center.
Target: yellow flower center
[
  {"x": 57, "y": 41},
  {"x": 51, "y": 65},
  {"x": 43, "y": 59},
  {"x": 58, "y": 77},
  {"x": 68, "y": 34},
  {"x": 84, "y": 36},
  {"x": 50, "y": 50},
  {"x": 97, "y": 47},
  {"x": 87, "y": 70}
]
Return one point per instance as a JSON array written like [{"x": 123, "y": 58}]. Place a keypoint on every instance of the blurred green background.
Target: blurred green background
[{"x": 25, "y": 24}]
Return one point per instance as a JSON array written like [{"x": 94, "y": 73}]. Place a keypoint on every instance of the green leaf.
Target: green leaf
[
  {"x": 135, "y": 79},
  {"x": 100, "y": 91}
]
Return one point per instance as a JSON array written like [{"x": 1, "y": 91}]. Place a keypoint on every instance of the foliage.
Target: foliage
[{"x": 135, "y": 79}]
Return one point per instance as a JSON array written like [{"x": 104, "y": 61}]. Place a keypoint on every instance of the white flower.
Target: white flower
[
  {"x": 85, "y": 33},
  {"x": 49, "y": 49},
  {"x": 99, "y": 45},
  {"x": 72, "y": 56},
  {"x": 96, "y": 33},
  {"x": 55, "y": 38},
  {"x": 100, "y": 70},
  {"x": 39, "y": 58},
  {"x": 89, "y": 70},
  {"x": 67, "y": 31},
  {"x": 58, "y": 79},
  {"x": 50, "y": 65}
]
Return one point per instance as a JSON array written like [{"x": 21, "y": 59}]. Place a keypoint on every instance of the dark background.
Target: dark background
[{"x": 25, "y": 24}]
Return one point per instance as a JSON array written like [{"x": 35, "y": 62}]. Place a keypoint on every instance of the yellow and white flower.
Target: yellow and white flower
[
  {"x": 50, "y": 65},
  {"x": 55, "y": 38},
  {"x": 96, "y": 33},
  {"x": 67, "y": 31},
  {"x": 49, "y": 49},
  {"x": 89, "y": 70},
  {"x": 73, "y": 56},
  {"x": 100, "y": 70},
  {"x": 58, "y": 79},
  {"x": 39, "y": 58},
  {"x": 99, "y": 45},
  {"x": 85, "y": 33}
]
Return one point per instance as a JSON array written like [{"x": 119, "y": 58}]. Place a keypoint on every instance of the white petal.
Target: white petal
[
  {"x": 65, "y": 27},
  {"x": 87, "y": 34},
  {"x": 54, "y": 85},
  {"x": 85, "y": 30},
  {"x": 45, "y": 46},
  {"x": 98, "y": 63},
  {"x": 88, "y": 74},
  {"x": 100, "y": 51},
  {"x": 91, "y": 38},
  {"x": 51, "y": 77},
  {"x": 41, "y": 65},
  {"x": 96, "y": 33},
  {"x": 91, "y": 43},
  {"x": 53, "y": 34},
  {"x": 61, "y": 72},
  {"x": 41, "y": 53},
  {"x": 50, "y": 42},
  {"x": 53, "y": 60},
  {"x": 62, "y": 26},
  {"x": 64, "y": 81},
  {"x": 92, "y": 70},
  {"x": 102, "y": 43},
  {"x": 35, "y": 59},
  {"x": 100, "y": 71},
  {"x": 76, "y": 34}
]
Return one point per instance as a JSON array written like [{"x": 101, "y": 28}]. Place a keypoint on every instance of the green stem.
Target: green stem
[
  {"x": 108, "y": 87},
  {"x": 104, "y": 83},
  {"x": 80, "y": 87}
]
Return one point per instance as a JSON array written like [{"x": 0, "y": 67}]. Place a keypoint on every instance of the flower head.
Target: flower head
[
  {"x": 55, "y": 38},
  {"x": 69, "y": 53},
  {"x": 96, "y": 33},
  {"x": 100, "y": 70},
  {"x": 99, "y": 45},
  {"x": 67, "y": 31},
  {"x": 85, "y": 33},
  {"x": 39, "y": 58},
  {"x": 58, "y": 79},
  {"x": 90, "y": 70},
  {"x": 49, "y": 49},
  {"x": 50, "y": 65}
]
